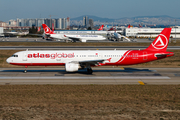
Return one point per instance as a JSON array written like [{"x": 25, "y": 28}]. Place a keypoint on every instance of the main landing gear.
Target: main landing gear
[{"x": 89, "y": 71}]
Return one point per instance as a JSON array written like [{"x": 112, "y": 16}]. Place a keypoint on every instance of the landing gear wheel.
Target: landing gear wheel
[
  {"x": 25, "y": 71},
  {"x": 89, "y": 70}
]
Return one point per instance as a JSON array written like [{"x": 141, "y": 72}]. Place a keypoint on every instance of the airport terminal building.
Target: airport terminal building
[
  {"x": 1, "y": 31},
  {"x": 150, "y": 32},
  {"x": 128, "y": 32}
]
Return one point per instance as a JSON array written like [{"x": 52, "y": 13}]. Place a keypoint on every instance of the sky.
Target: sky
[{"x": 13, "y": 9}]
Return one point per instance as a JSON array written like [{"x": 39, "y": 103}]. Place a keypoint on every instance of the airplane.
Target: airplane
[
  {"x": 118, "y": 36},
  {"x": 74, "y": 38},
  {"x": 101, "y": 28},
  {"x": 9, "y": 34},
  {"x": 73, "y": 60},
  {"x": 140, "y": 26}
]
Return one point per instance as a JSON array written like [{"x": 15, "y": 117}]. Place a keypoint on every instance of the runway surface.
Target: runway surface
[{"x": 101, "y": 75}]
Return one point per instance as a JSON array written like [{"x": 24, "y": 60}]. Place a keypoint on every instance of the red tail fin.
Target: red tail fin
[
  {"x": 140, "y": 26},
  {"x": 39, "y": 29},
  {"x": 101, "y": 28},
  {"x": 47, "y": 30},
  {"x": 111, "y": 29},
  {"x": 161, "y": 41}
]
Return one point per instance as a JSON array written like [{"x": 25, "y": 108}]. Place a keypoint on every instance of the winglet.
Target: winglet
[{"x": 161, "y": 41}]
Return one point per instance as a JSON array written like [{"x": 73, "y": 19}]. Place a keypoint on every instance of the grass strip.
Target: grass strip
[{"x": 89, "y": 102}]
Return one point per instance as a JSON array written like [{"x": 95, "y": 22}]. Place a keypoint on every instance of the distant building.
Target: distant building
[
  {"x": 149, "y": 32},
  {"x": 54, "y": 22},
  {"x": 59, "y": 23},
  {"x": 85, "y": 21},
  {"x": 40, "y": 22},
  {"x": 63, "y": 23},
  {"x": 48, "y": 22},
  {"x": 91, "y": 23},
  {"x": 1, "y": 31},
  {"x": 3, "y": 24},
  {"x": 68, "y": 23},
  {"x": 12, "y": 23},
  {"x": 32, "y": 22}
]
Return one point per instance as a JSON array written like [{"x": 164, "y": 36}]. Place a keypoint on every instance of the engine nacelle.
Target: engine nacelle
[
  {"x": 71, "y": 67},
  {"x": 83, "y": 40}
]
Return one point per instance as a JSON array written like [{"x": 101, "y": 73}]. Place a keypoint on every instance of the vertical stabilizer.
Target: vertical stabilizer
[
  {"x": 47, "y": 30},
  {"x": 161, "y": 41},
  {"x": 101, "y": 28}
]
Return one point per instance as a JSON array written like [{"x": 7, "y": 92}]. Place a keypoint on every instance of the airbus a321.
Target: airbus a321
[
  {"x": 73, "y": 60},
  {"x": 74, "y": 38}
]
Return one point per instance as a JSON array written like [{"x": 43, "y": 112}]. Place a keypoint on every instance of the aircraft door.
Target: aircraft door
[
  {"x": 145, "y": 56},
  {"x": 25, "y": 56},
  {"x": 100, "y": 56}
]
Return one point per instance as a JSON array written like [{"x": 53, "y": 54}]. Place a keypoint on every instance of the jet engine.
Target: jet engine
[
  {"x": 83, "y": 40},
  {"x": 72, "y": 67}
]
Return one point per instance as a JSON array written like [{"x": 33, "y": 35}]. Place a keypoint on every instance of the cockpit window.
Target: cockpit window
[{"x": 14, "y": 56}]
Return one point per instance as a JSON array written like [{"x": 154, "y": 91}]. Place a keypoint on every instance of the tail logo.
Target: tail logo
[
  {"x": 46, "y": 29},
  {"x": 161, "y": 42}
]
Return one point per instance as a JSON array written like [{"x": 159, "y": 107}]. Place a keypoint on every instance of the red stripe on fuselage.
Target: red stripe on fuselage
[
  {"x": 136, "y": 57},
  {"x": 123, "y": 57}
]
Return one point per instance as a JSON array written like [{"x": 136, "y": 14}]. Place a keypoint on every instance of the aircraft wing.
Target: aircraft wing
[
  {"x": 10, "y": 34},
  {"x": 36, "y": 34},
  {"x": 74, "y": 38}
]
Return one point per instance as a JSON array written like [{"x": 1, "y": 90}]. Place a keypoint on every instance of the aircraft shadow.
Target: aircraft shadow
[{"x": 84, "y": 71}]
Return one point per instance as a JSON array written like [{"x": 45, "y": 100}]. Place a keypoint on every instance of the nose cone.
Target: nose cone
[{"x": 8, "y": 60}]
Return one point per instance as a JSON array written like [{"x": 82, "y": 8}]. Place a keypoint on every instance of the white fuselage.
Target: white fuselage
[
  {"x": 73, "y": 60},
  {"x": 45, "y": 58},
  {"x": 82, "y": 38},
  {"x": 58, "y": 36},
  {"x": 87, "y": 37}
]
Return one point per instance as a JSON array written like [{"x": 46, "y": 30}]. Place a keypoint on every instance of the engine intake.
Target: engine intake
[{"x": 72, "y": 67}]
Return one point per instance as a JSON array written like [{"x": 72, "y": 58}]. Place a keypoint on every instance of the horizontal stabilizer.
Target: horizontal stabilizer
[{"x": 162, "y": 55}]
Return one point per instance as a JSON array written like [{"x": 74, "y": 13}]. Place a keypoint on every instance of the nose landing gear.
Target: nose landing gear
[{"x": 25, "y": 71}]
